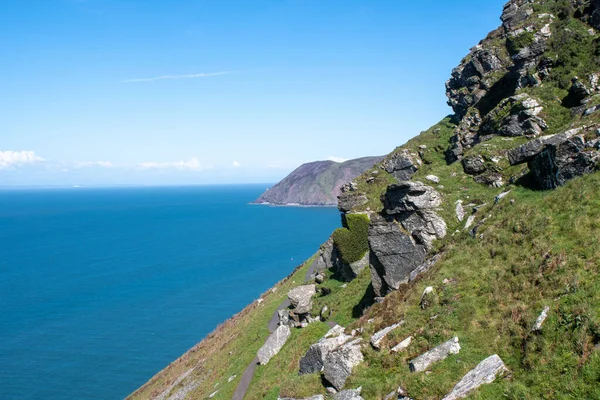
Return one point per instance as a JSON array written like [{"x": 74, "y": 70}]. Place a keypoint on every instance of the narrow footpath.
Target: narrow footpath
[{"x": 242, "y": 387}]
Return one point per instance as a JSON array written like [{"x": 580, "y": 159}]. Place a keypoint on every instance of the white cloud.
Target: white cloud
[
  {"x": 337, "y": 159},
  {"x": 191, "y": 165},
  {"x": 236, "y": 164},
  {"x": 90, "y": 164},
  {"x": 163, "y": 77},
  {"x": 11, "y": 159}
]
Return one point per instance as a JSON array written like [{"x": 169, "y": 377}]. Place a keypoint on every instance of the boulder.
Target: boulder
[
  {"x": 410, "y": 196},
  {"x": 379, "y": 336},
  {"x": 460, "y": 211},
  {"x": 273, "y": 344},
  {"x": 434, "y": 355},
  {"x": 314, "y": 358},
  {"x": 339, "y": 363},
  {"x": 558, "y": 163},
  {"x": 432, "y": 178},
  {"x": 424, "y": 226},
  {"x": 352, "y": 394},
  {"x": 401, "y": 165},
  {"x": 485, "y": 372},
  {"x": 428, "y": 298},
  {"x": 393, "y": 255},
  {"x": 351, "y": 271},
  {"x": 301, "y": 298},
  {"x": 284, "y": 316},
  {"x": 473, "y": 165}
]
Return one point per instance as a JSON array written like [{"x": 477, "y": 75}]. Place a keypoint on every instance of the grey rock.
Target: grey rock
[
  {"x": 301, "y": 298},
  {"x": 410, "y": 196},
  {"x": 428, "y": 298},
  {"x": 424, "y": 226},
  {"x": 401, "y": 165},
  {"x": 339, "y": 363},
  {"x": 402, "y": 345},
  {"x": 314, "y": 358},
  {"x": 393, "y": 255},
  {"x": 537, "y": 327},
  {"x": 319, "y": 278},
  {"x": 531, "y": 149},
  {"x": 317, "y": 397},
  {"x": 350, "y": 272},
  {"x": 473, "y": 165},
  {"x": 352, "y": 394},
  {"x": 328, "y": 257},
  {"x": 284, "y": 317},
  {"x": 348, "y": 201},
  {"x": 325, "y": 313},
  {"x": 484, "y": 373},
  {"x": 558, "y": 163},
  {"x": 501, "y": 196},
  {"x": 460, "y": 211},
  {"x": 432, "y": 178},
  {"x": 515, "y": 116},
  {"x": 490, "y": 178},
  {"x": 377, "y": 338},
  {"x": 578, "y": 91},
  {"x": 426, "y": 266},
  {"x": 273, "y": 344},
  {"x": 434, "y": 355}
]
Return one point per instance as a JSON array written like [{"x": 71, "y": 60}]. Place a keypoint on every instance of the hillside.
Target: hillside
[
  {"x": 467, "y": 262},
  {"x": 316, "y": 183}
]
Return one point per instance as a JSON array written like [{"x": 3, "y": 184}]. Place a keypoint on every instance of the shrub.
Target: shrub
[{"x": 352, "y": 241}]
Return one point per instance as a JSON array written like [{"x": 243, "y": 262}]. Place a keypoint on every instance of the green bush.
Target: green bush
[{"x": 352, "y": 241}]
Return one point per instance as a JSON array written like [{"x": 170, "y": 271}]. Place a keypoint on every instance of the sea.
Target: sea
[{"x": 101, "y": 288}]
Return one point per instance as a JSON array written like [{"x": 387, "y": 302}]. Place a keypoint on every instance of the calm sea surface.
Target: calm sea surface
[{"x": 102, "y": 288}]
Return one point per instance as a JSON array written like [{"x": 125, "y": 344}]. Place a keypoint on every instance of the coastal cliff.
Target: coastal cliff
[
  {"x": 317, "y": 183},
  {"x": 467, "y": 264}
]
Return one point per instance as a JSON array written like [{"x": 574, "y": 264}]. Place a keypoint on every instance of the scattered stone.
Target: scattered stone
[
  {"x": 301, "y": 298},
  {"x": 273, "y": 344},
  {"x": 428, "y": 298},
  {"x": 325, "y": 313},
  {"x": 433, "y": 178},
  {"x": 344, "y": 286},
  {"x": 377, "y": 338},
  {"x": 331, "y": 390},
  {"x": 484, "y": 373},
  {"x": 317, "y": 397},
  {"x": 353, "y": 394},
  {"x": 231, "y": 378},
  {"x": 379, "y": 300},
  {"x": 402, "y": 345},
  {"x": 460, "y": 211},
  {"x": 537, "y": 327},
  {"x": 512, "y": 201},
  {"x": 473, "y": 165},
  {"x": 339, "y": 363},
  {"x": 213, "y": 394},
  {"x": 501, "y": 196},
  {"x": 314, "y": 358},
  {"x": 434, "y": 355},
  {"x": 259, "y": 301}
]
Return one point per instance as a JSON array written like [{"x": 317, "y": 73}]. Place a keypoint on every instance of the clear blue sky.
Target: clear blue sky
[{"x": 199, "y": 91}]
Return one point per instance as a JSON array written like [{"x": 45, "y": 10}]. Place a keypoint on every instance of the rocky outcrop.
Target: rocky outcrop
[
  {"x": 515, "y": 116},
  {"x": 316, "y": 183},
  {"x": 434, "y": 355},
  {"x": 314, "y": 358},
  {"x": 399, "y": 239},
  {"x": 402, "y": 165},
  {"x": 394, "y": 255},
  {"x": 328, "y": 257},
  {"x": 340, "y": 362},
  {"x": 378, "y": 337},
  {"x": 485, "y": 372},
  {"x": 555, "y": 159},
  {"x": 301, "y": 298},
  {"x": 349, "y": 200},
  {"x": 273, "y": 344}
]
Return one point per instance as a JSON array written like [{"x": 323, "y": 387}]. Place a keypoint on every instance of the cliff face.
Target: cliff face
[
  {"x": 467, "y": 265},
  {"x": 316, "y": 183}
]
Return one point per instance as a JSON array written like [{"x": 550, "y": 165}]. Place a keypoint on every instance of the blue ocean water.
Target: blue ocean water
[{"x": 102, "y": 288}]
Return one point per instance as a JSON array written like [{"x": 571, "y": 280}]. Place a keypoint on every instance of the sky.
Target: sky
[{"x": 114, "y": 92}]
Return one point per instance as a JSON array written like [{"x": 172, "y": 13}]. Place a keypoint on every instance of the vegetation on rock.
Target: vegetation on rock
[{"x": 352, "y": 241}]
